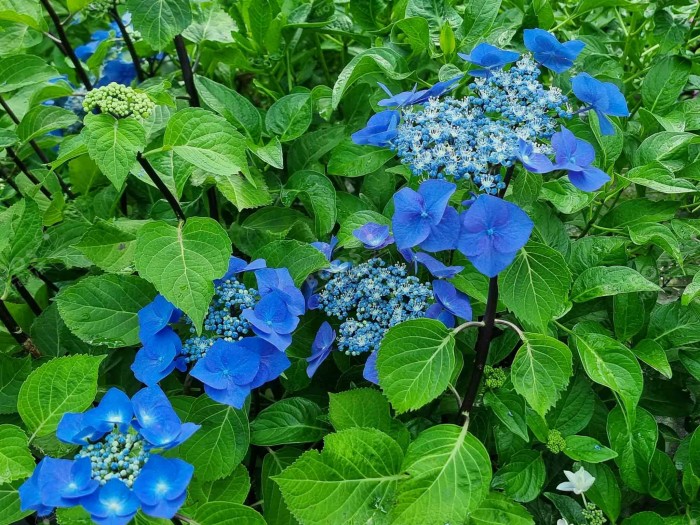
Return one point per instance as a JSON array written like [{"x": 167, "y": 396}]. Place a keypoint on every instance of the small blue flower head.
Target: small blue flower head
[
  {"x": 604, "y": 98},
  {"x": 489, "y": 57},
  {"x": 374, "y": 236},
  {"x": 237, "y": 265},
  {"x": 575, "y": 156},
  {"x": 230, "y": 370},
  {"x": 493, "y": 230},
  {"x": 156, "y": 316},
  {"x": 551, "y": 53},
  {"x": 381, "y": 129},
  {"x": 418, "y": 216},
  {"x": 450, "y": 303},
  {"x": 533, "y": 161},
  {"x": 336, "y": 265},
  {"x": 272, "y": 319},
  {"x": 118, "y": 443},
  {"x": 321, "y": 348}
]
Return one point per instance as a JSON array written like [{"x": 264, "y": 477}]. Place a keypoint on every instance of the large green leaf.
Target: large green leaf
[
  {"x": 635, "y": 444},
  {"x": 41, "y": 119},
  {"x": 23, "y": 70},
  {"x": 602, "y": 281},
  {"x": 585, "y": 448},
  {"x": 290, "y": 116},
  {"x": 65, "y": 384},
  {"x": 16, "y": 461},
  {"x": 103, "y": 309},
  {"x": 358, "y": 469},
  {"x": 22, "y": 236},
  {"x": 220, "y": 444},
  {"x": 664, "y": 83},
  {"x": 274, "y": 508},
  {"x": 498, "y": 509},
  {"x": 10, "y": 504},
  {"x": 415, "y": 363},
  {"x": 182, "y": 262},
  {"x": 353, "y": 160},
  {"x": 109, "y": 247},
  {"x": 288, "y": 421},
  {"x": 233, "y": 489},
  {"x": 449, "y": 475},
  {"x": 159, "y": 21},
  {"x": 206, "y": 140},
  {"x": 541, "y": 370},
  {"x": 113, "y": 144},
  {"x": 13, "y": 372},
  {"x": 611, "y": 364},
  {"x": 235, "y": 108},
  {"x": 522, "y": 478},
  {"x": 536, "y": 285},
  {"x": 226, "y": 513},
  {"x": 317, "y": 194},
  {"x": 479, "y": 16}
]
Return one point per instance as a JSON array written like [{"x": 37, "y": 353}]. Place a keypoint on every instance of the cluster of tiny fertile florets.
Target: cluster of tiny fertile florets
[
  {"x": 370, "y": 298},
  {"x": 494, "y": 377},
  {"x": 118, "y": 455},
  {"x": 465, "y": 138},
  {"x": 555, "y": 442},
  {"x": 118, "y": 100},
  {"x": 223, "y": 320},
  {"x": 593, "y": 515},
  {"x": 102, "y": 7}
]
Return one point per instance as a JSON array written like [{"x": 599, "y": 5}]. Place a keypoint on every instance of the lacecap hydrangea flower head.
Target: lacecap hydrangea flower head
[
  {"x": 365, "y": 300},
  {"x": 118, "y": 469},
  {"x": 246, "y": 331},
  {"x": 508, "y": 114}
]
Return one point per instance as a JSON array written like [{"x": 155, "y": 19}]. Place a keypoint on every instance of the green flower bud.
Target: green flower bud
[
  {"x": 119, "y": 101},
  {"x": 555, "y": 442},
  {"x": 495, "y": 377}
]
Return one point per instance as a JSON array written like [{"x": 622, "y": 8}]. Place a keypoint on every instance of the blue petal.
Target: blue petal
[
  {"x": 161, "y": 486},
  {"x": 590, "y": 179},
  {"x": 156, "y": 359},
  {"x": 436, "y": 194},
  {"x": 492, "y": 263},
  {"x": 272, "y": 362},
  {"x": 606, "y": 127},
  {"x": 452, "y": 299},
  {"x": 373, "y": 236},
  {"x": 381, "y": 129},
  {"x": 440, "y": 313},
  {"x": 114, "y": 409},
  {"x": 320, "y": 348},
  {"x": 411, "y": 222},
  {"x": 156, "y": 419},
  {"x": 370, "y": 372},
  {"x": 30, "y": 495},
  {"x": 226, "y": 363},
  {"x": 62, "y": 482},
  {"x": 117, "y": 71},
  {"x": 271, "y": 315},
  {"x": 114, "y": 503},
  {"x": 78, "y": 429},
  {"x": 444, "y": 235},
  {"x": 156, "y": 316},
  {"x": 436, "y": 268}
]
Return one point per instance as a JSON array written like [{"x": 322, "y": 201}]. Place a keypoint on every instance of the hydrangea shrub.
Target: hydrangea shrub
[{"x": 317, "y": 262}]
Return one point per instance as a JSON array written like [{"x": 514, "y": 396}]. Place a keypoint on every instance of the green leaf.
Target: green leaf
[
  {"x": 41, "y": 119},
  {"x": 694, "y": 451},
  {"x": 10, "y": 504},
  {"x": 436, "y": 12},
  {"x": 657, "y": 235},
  {"x": 16, "y": 461},
  {"x": 207, "y": 141},
  {"x": 299, "y": 258},
  {"x": 103, "y": 309},
  {"x": 664, "y": 83},
  {"x": 244, "y": 193},
  {"x": 64, "y": 384},
  {"x": 611, "y": 364},
  {"x": 317, "y": 194},
  {"x": 274, "y": 508},
  {"x": 288, "y": 421},
  {"x": 346, "y": 239},
  {"x": 479, "y": 16},
  {"x": 574, "y": 410},
  {"x": 361, "y": 407},
  {"x": 113, "y": 144},
  {"x": 221, "y": 443},
  {"x": 211, "y": 23},
  {"x": 377, "y": 62},
  {"x": 22, "y": 232},
  {"x": 566, "y": 197},
  {"x": 658, "y": 177},
  {"x": 235, "y": 108},
  {"x": 18, "y": 71},
  {"x": 536, "y": 285},
  {"x": 498, "y": 509},
  {"x": 159, "y": 21},
  {"x": 522, "y": 478},
  {"x": 509, "y": 408},
  {"x": 603, "y": 281},
  {"x": 290, "y": 116},
  {"x": 674, "y": 325},
  {"x": 449, "y": 475},
  {"x": 8, "y": 138},
  {"x": 628, "y": 315},
  {"x": 353, "y": 160},
  {"x": 182, "y": 262},
  {"x": 232, "y": 489},
  {"x": 652, "y": 353},
  {"x": 415, "y": 363},
  {"x": 225, "y": 513},
  {"x": 584, "y": 448},
  {"x": 271, "y": 153},
  {"x": 635, "y": 211},
  {"x": 634, "y": 445},
  {"x": 368, "y": 13},
  {"x": 357, "y": 468},
  {"x": 663, "y": 476},
  {"x": 605, "y": 492},
  {"x": 109, "y": 247},
  {"x": 541, "y": 370},
  {"x": 27, "y": 13},
  {"x": 13, "y": 372},
  {"x": 691, "y": 291}
]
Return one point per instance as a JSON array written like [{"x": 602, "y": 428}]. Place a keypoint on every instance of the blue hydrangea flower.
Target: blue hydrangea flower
[
  {"x": 230, "y": 370},
  {"x": 551, "y": 53},
  {"x": 489, "y": 57},
  {"x": 532, "y": 160},
  {"x": 449, "y": 303},
  {"x": 575, "y": 156},
  {"x": 117, "y": 465},
  {"x": 374, "y": 236},
  {"x": 321, "y": 348},
  {"x": 437, "y": 268},
  {"x": 493, "y": 230},
  {"x": 335, "y": 265},
  {"x": 381, "y": 129},
  {"x": 604, "y": 98},
  {"x": 410, "y": 98},
  {"x": 270, "y": 311},
  {"x": 418, "y": 216}
]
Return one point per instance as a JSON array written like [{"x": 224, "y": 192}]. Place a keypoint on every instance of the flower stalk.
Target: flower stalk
[{"x": 129, "y": 43}]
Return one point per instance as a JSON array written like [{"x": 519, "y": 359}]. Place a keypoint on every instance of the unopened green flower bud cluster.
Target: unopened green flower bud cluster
[
  {"x": 555, "y": 442},
  {"x": 100, "y": 7},
  {"x": 593, "y": 515},
  {"x": 495, "y": 377},
  {"x": 118, "y": 100}
]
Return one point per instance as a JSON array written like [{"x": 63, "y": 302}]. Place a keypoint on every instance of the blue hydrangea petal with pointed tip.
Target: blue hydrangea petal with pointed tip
[
  {"x": 113, "y": 504},
  {"x": 30, "y": 495},
  {"x": 321, "y": 348},
  {"x": 62, "y": 482},
  {"x": 454, "y": 301},
  {"x": 533, "y": 162},
  {"x": 380, "y": 130},
  {"x": 227, "y": 362},
  {"x": 161, "y": 486},
  {"x": 551, "y": 53},
  {"x": 156, "y": 419},
  {"x": 589, "y": 179},
  {"x": 272, "y": 361},
  {"x": 155, "y": 316},
  {"x": 156, "y": 359},
  {"x": 370, "y": 372},
  {"x": 78, "y": 429},
  {"x": 373, "y": 236},
  {"x": 443, "y": 236},
  {"x": 440, "y": 313},
  {"x": 114, "y": 409},
  {"x": 437, "y": 268}
]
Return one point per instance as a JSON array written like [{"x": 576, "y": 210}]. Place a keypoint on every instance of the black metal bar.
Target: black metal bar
[{"x": 26, "y": 296}]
